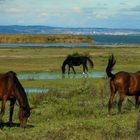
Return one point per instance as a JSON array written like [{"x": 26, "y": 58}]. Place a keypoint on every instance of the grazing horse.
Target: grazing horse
[
  {"x": 76, "y": 60},
  {"x": 11, "y": 89},
  {"x": 126, "y": 84}
]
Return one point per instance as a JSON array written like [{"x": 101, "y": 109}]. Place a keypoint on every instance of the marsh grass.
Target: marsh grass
[
  {"x": 81, "y": 113},
  {"x": 73, "y": 108},
  {"x": 50, "y": 59},
  {"x": 78, "y": 113}
]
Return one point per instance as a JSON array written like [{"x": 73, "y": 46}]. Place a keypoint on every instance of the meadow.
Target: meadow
[{"x": 73, "y": 108}]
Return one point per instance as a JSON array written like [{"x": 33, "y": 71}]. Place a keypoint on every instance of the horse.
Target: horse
[
  {"x": 12, "y": 90},
  {"x": 76, "y": 60},
  {"x": 126, "y": 84}
]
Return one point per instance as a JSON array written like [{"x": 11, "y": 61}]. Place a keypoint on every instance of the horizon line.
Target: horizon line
[{"x": 72, "y": 27}]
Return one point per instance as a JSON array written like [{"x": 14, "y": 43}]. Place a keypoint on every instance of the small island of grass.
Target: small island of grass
[{"x": 30, "y": 38}]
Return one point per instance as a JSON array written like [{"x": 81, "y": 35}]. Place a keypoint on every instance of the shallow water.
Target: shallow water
[
  {"x": 35, "y": 90},
  {"x": 100, "y": 39},
  {"x": 47, "y": 45},
  {"x": 44, "y": 76}
]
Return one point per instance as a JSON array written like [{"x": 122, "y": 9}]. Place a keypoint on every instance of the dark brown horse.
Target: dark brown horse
[
  {"x": 126, "y": 84},
  {"x": 11, "y": 89},
  {"x": 76, "y": 60}
]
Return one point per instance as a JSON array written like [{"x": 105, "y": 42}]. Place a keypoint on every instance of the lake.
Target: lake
[{"x": 99, "y": 40}]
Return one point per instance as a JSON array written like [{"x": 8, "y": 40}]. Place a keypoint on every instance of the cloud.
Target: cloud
[
  {"x": 3, "y": 1},
  {"x": 123, "y": 3},
  {"x": 127, "y": 8},
  {"x": 136, "y": 8}
]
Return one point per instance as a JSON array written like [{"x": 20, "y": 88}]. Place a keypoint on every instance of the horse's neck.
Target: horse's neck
[
  {"x": 21, "y": 95},
  {"x": 65, "y": 63},
  {"x": 22, "y": 99}
]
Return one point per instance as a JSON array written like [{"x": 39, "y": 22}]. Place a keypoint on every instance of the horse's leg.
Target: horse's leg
[
  {"x": 68, "y": 69},
  {"x": 73, "y": 69},
  {"x": 137, "y": 101},
  {"x": 3, "y": 102},
  {"x": 84, "y": 68},
  {"x": 12, "y": 103},
  {"x": 122, "y": 96},
  {"x": 112, "y": 95}
]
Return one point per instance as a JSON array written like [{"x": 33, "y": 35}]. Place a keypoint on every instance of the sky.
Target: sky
[{"x": 71, "y": 13}]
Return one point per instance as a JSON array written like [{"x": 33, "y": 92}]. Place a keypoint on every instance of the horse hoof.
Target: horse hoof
[
  {"x": 10, "y": 124},
  {"x": 1, "y": 126}
]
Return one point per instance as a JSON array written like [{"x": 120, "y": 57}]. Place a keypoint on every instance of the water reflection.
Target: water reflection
[
  {"x": 35, "y": 90},
  {"x": 43, "y": 76}
]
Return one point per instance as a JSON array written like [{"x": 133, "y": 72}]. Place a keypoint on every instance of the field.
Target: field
[{"x": 73, "y": 109}]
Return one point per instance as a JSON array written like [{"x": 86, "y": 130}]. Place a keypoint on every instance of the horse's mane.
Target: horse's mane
[
  {"x": 19, "y": 87},
  {"x": 77, "y": 55},
  {"x": 73, "y": 55}
]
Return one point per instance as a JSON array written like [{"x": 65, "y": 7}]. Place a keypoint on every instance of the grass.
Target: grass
[
  {"x": 38, "y": 59},
  {"x": 29, "y": 38},
  {"x": 77, "y": 113},
  {"x": 73, "y": 108}
]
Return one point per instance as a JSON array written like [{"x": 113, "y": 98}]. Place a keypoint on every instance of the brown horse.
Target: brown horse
[
  {"x": 11, "y": 89},
  {"x": 126, "y": 84}
]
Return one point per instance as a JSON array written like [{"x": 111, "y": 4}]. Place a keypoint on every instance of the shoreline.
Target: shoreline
[
  {"x": 66, "y": 45},
  {"x": 92, "y": 46}
]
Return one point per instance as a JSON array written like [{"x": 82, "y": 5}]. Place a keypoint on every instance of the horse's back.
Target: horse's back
[
  {"x": 121, "y": 80},
  {"x": 75, "y": 60},
  {"x": 128, "y": 82},
  {"x": 6, "y": 83}
]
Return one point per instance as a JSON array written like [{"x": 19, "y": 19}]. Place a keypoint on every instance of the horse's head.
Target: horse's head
[
  {"x": 24, "y": 114},
  {"x": 18, "y": 90},
  {"x": 63, "y": 69}
]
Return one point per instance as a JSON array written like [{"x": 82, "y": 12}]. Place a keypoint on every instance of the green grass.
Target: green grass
[
  {"x": 77, "y": 113},
  {"x": 38, "y": 59},
  {"x": 73, "y": 108}
]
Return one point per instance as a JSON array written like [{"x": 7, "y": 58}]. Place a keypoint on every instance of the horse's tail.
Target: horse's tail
[
  {"x": 111, "y": 63},
  {"x": 90, "y": 62}
]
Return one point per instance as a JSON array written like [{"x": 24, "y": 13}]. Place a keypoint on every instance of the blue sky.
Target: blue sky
[{"x": 71, "y": 13}]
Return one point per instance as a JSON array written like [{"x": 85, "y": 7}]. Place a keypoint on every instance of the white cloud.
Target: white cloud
[
  {"x": 76, "y": 9},
  {"x": 136, "y": 8}
]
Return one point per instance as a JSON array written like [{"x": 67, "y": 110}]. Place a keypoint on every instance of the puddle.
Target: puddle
[
  {"x": 34, "y": 90},
  {"x": 44, "y": 76}
]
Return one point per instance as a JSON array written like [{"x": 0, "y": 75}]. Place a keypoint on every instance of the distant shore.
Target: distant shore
[
  {"x": 30, "y": 38},
  {"x": 64, "y": 45}
]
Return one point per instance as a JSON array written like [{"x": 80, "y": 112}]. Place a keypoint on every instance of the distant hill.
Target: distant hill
[{"x": 15, "y": 29}]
